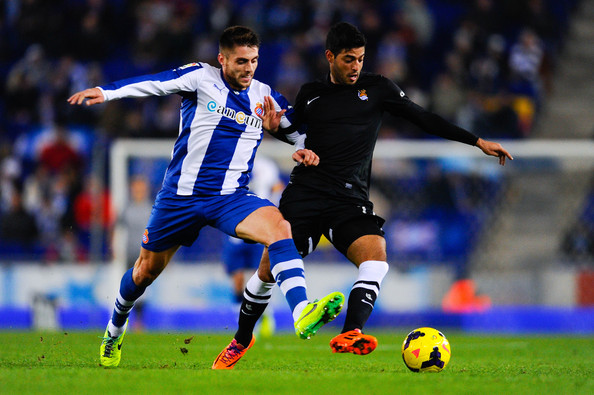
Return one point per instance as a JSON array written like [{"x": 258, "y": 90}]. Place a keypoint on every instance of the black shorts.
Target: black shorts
[{"x": 342, "y": 221}]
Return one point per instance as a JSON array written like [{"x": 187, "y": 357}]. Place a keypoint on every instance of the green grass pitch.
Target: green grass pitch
[{"x": 179, "y": 363}]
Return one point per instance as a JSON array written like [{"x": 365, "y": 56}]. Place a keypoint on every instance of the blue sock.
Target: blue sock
[
  {"x": 129, "y": 292},
  {"x": 287, "y": 268}
]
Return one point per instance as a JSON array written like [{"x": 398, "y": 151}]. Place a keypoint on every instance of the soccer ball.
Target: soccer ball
[{"x": 426, "y": 350}]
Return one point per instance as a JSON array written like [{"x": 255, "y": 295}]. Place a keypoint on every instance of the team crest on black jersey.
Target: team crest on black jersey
[{"x": 362, "y": 95}]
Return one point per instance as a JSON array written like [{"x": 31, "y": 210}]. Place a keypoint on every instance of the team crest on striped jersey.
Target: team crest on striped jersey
[
  {"x": 259, "y": 110},
  {"x": 362, "y": 94}
]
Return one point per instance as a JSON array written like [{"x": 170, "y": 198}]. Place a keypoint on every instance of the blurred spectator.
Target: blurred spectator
[
  {"x": 371, "y": 27},
  {"x": 392, "y": 61},
  {"x": 418, "y": 17},
  {"x": 578, "y": 242},
  {"x": 10, "y": 174},
  {"x": 525, "y": 61},
  {"x": 149, "y": 43},
  {"x": 58, "y": 153},
  {"x": 536, "y": 15},
  {"x": 487, "y": 20},
  {"x": 47, "y": 216},
  {"x": 98, "y": 25},
  {"x": 489, "y": 70},
  {"x": 134, "y": 216},
  {"x": 43, "y": 22},
  {"x": 66, "y": 187},
  {"x": 447, "y": 97},
  {"x": 17, "y": 226},
  {"x": 24, "y": 85},
  {"x": 221, "y": 15},
  {"x": 93, "y": 212}
]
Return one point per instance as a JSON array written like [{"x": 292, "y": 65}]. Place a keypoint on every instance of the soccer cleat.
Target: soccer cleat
[
  {"x": 318, "y": 313},
  {"x": 354, "y": 342},
  {"x": 111, "y": 348},
  {"x": 231, "y": 354}
]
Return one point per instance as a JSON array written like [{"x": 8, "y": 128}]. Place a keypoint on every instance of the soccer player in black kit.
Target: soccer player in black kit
[{"x": 341, "y": 115}]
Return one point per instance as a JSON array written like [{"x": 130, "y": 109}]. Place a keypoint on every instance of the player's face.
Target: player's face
[
  {"x": 346, "y": 67},
  {"x": 239, "y": 65}
]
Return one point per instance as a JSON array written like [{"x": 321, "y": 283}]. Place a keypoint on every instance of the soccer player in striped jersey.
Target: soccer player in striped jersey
[{"x": 224, "y": 112}]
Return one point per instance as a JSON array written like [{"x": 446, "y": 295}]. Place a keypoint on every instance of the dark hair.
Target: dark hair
[
  {"x": 342, "y": 36},
  {"x": 238, "y": 36}
]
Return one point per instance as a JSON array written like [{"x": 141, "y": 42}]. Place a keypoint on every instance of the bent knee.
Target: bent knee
[
  {"x": 284, "y": 229},
  {"x": 281, "y": 231}
]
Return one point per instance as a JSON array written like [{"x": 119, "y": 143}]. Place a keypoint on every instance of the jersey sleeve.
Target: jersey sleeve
[
  {"x": 399, "y": 105},
  {"x": 181, "y": 79},
  {"x": 295, "y": 131},
  {"x": 287, "y": 132}
]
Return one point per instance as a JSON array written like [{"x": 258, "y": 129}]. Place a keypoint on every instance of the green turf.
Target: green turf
[{"x": 179, "y": 363}]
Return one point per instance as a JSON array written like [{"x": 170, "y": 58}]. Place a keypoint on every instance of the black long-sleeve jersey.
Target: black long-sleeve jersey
[{"x": 342, "y": 124}]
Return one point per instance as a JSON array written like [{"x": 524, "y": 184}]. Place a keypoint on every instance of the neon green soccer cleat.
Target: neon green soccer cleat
[
  {"x": 318, "y": 313},
  {"x": 111, "y": 348}
]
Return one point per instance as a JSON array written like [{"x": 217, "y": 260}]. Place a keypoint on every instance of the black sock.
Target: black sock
[
  {"x": 249, "y": 314},
  {"x": 360, "y": 305}
]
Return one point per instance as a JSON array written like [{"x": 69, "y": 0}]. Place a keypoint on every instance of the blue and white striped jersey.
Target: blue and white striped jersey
[{"x": 219, "y": 129}]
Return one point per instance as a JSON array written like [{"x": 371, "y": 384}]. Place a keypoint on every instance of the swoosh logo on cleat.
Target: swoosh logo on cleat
[
  {"x": 120, "y": 345},
  {"x": 315, "y": 305}
]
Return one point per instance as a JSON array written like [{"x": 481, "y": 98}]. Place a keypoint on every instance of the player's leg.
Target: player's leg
[
  {"x": 133, "y": 284},
  {"x": 286, "y": 267},
  {"x": 368, "y": 253},
  {"x": 256, "y": 297},
  {"x": 267, "y": 226},
  {"x": 266, "y": 325},
  {"x": 174, "y": 221}
]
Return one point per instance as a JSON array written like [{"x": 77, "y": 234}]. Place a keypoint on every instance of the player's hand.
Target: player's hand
[
  {"x": 93, "y": 95},
  {"x": 306, "y": 157},
  {"x": 271, "y": 119},
  {"x": 494, "y": 149}
]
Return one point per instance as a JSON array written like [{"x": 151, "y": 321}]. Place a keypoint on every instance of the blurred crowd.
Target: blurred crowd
[{"x": 486, "y": 65}]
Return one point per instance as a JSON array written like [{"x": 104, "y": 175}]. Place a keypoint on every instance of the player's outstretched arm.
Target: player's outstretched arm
[
  {"x": 306, "y": 157},
  {"x": 93, "y": 95},
  {"x": 494, "y": 149}
]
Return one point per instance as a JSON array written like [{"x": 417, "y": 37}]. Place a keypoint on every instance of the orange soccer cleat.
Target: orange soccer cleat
[
  {"x": 354, "y": 342},
  {"x": 231, "y": 354}
]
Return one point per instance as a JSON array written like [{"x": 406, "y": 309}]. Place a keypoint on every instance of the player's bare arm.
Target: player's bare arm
[
  {"x": 494, "y": 149},
  {"x": 271, "y": 118},
  {"x": 93, "y": 95}
]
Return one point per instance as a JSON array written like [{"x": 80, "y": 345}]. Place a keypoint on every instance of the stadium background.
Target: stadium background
[{"x": 516, "y": 71}]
